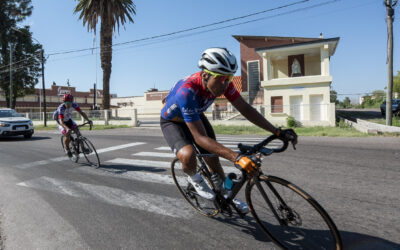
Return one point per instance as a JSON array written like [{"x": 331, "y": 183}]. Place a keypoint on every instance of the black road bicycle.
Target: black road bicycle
[
  {"x": 79, "y": 144},
  {"x": 288, "y": 215}
]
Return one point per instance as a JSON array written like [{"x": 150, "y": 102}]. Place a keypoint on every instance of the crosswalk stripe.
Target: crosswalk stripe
[
  {"x": 164, "y": 155},
  {"x": 63, "y": 158},
  {"x": 155, "y": 154},
  {"x": 174, "y": 207},
  {"x": 163, "y": 148},
  {"x": 157, "y": 164}
]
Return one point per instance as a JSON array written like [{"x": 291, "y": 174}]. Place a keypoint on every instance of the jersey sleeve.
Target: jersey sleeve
[
  {"x": 76, "y": 106},
  {"x": 61, "y": 111},
  {"x": 231, "y": 93},
  {"x": 187, "y": 104}
]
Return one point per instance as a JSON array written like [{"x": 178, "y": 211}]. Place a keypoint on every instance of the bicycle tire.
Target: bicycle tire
[
  {"x": 75, "y": 156},
  {"x": 322, "y": 235},
  {"x": 201, "y": 205},
  {"x": 95, "y": 160}
]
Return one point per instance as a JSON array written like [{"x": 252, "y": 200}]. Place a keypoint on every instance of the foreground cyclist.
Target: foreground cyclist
[
  {"x": 63, "y": 116},
  {"x": 184, "y": 123}
]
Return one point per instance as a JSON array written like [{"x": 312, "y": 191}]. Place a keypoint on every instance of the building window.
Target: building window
[
  {"x": 276, "y": 104},
  {"x": 253, "y": 80}
]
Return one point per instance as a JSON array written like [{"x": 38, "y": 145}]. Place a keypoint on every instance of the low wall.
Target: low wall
[{"x": 370, "y": 127}]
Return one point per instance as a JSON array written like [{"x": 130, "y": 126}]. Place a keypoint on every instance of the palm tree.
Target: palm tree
[{"x": 112, "y": 14}]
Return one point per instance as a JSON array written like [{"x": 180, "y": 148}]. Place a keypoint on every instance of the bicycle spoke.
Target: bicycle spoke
[
  {"x": 303, "y": 223},
  {"x": 202, "y": 205}
]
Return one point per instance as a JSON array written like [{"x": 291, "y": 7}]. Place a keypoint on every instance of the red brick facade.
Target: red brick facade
[{"x": 30, "y": 103}]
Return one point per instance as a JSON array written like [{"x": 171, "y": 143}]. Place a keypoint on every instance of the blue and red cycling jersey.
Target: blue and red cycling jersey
[
  {"x": 65, "y": 113},
  {"x": 189, "y": 98}
]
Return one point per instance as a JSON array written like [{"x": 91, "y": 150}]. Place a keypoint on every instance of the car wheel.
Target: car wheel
[{"x": 27, "y": 136}]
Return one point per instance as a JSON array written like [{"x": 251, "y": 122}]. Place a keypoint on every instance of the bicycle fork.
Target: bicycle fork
[{"x": 282, "y": 203}]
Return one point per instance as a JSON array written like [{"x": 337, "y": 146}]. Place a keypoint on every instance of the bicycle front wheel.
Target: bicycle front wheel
[
  {"x": 90, "y": 152},
  {"x": 72, "y": 148},
  {"x": 289, "y": 216},
  {"x": 203, "y": 206}
]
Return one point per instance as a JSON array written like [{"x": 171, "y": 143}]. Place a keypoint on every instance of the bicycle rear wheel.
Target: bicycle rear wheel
[
  {"x": 75, "y": 155},
  {"x": 90, "y": 153},
  {"x": 303, "y": 223},
  {"x": 203, "y": 206}
]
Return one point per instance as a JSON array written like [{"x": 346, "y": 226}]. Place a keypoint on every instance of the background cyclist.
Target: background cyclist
[
  {"x": 184, "y": 123},
  {"x": 63, "y": 116}
]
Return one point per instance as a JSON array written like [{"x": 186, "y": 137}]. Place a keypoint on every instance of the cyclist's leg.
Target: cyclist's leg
[
  {"x": 178, "y": 138},
  {"x": 69, "y": 124},
  {"x": 212, "y": 162}
]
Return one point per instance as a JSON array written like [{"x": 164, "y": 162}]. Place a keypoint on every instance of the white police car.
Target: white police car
[{"x": 12, "y": 123}]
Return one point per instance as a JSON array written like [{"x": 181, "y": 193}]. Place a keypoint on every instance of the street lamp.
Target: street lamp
[{"x": 43, "y": 83}]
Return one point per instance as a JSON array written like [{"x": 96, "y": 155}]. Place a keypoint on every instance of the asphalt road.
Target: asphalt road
[{"x": 47, "y": 202}]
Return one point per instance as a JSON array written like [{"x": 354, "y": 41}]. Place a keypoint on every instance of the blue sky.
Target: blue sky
[{"x": 358, "y": 66}]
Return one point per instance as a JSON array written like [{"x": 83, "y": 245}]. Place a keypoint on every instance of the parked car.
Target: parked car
[
  {"x": 395, "y": 107},
  {"x": 12, "y": 123}
]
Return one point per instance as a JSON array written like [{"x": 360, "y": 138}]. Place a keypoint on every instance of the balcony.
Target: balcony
[{"x": 296, "y": 80}]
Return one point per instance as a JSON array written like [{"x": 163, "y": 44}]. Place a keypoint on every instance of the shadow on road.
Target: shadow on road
[
  {"x": 350, "y": 240},
  {"x": 122, "y": 168},
  {"x": 357, "y": 241}
]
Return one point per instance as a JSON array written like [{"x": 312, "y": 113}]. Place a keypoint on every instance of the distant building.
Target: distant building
[
  {"x": 34, "y": 102},
  {"x": 292, "y": 74}
]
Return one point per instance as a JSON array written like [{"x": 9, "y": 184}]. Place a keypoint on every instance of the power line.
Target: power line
[
  {"x": 185, "y": 30},
  {"x": 192, "y": 34},
  {"x": 166, "y": 38},
  {"x": 25, "y": 59}
]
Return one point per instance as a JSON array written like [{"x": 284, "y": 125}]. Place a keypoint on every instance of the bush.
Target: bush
[{"x": 291, "y": 122}]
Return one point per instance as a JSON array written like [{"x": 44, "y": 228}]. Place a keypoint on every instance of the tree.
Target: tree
[
  {"x": 111, "y": 14},
  {"x": 333, "y": 97},
  {"x": 346, "y": 102},
  {"x": 379, "y": 96},
  {"x": 26, "y": 58},
  {"x": 396, "y": 83}
]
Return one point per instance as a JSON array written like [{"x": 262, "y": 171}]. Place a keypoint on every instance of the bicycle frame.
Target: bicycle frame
[{"x": 238, "y": 186}]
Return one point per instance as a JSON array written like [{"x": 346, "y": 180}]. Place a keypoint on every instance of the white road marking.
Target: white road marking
[
  {"x": 163, "y": 155},
  {"x": 63, "y": 158},
  {"x": 175, "y": 207},
  {"x": 155, "y": 154},
  {"x": 157, "y": 164},
  {"x": 163, "y": 148}
]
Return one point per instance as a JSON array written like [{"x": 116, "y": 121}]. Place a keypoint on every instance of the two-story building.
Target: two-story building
[{"x": 293, "y": 76}]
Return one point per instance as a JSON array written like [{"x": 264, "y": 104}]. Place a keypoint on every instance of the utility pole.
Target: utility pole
[
  {"x": 43, "y": 87},
  {"x": 11, "y": 87},
  {"x": 389, "y": 20},
  {"x": 95, "y": 97}
]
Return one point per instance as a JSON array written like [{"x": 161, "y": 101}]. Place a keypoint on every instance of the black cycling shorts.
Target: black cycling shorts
[{"x": 178, "y": 135}]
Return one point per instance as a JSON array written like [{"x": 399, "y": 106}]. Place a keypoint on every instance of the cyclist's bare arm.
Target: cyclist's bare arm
[
  {"x": 253, "y": 115},
  {"x": 200, "y": 136},
  {"x": 256, "y": 118},
  {"x": 61, "y": 121},
  {"x": 84, "y": 115}
]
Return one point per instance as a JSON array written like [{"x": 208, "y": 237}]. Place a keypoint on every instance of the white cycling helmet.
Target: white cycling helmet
[{"x": 218, "y": 60}]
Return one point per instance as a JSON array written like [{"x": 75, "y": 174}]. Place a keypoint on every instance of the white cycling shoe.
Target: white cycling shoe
[
  {"x": 240, "y": 205},
  {"x": 201, "y": 187}
]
